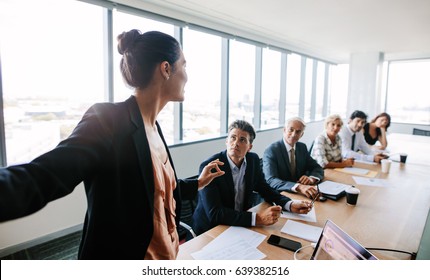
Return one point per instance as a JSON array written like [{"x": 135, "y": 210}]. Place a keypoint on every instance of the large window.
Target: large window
[
  {"x": 241, "y": 81},
  {"x": 271, "y": 86},
  {"x": 202, "y": 106},
  {"x": 308, "y": 88},
  {"x": 52, "y": 71},
  {"x": 57, "y": 61},
  {"x": 320, "y": 86},
  {"x": 293, "y": 85},
  {"x": 408, "y": 91}
]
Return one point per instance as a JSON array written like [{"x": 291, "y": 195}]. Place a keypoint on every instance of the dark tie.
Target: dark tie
[
  {"x": 293, "y": 163},
  {"x": 353, "y": 142}
]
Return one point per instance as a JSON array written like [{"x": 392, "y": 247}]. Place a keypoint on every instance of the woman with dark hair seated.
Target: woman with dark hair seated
[{"x": 376, "y": 130}]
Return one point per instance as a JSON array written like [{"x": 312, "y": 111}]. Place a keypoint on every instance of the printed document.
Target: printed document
[
  {"x": 235, "y": 243},
  {"x": 311, "y": 233},
  {"x": 309, "y": 217}
]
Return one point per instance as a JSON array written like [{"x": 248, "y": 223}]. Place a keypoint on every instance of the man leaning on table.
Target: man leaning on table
[
  {"x": 227, "y": 198},
  {"x": 287, "y": 164},
  {"x": 353, "y": 143}
]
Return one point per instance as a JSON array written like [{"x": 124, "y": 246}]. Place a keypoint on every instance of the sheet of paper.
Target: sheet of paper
[
  {"x": 234, "y": 235},
  {"x": 353, "y": 170},
  {"x": 311, "y": 233},
  {"x": 240, "y": 250},
  {"x": 365, "y": 162},
  {"x": 358, "y": 171},
  {"x": 332, "y": 188},
  {"x": 371, "y": 182},
  {"x": 309, "y": 217}
]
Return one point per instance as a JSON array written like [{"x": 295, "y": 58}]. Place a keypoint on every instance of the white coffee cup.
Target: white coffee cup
[{"x": 385, "y": 165}]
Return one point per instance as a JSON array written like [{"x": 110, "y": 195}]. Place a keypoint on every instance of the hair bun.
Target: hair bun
[{"x": 126, "y": 40}]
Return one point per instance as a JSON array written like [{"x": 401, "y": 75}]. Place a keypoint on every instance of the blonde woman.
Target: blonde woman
[{"x": 327, "y": 148}]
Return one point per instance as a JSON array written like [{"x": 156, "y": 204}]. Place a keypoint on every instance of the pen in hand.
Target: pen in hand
[
  {"x": 274, "y": 204},
  {"x": 316, "y": 196}
]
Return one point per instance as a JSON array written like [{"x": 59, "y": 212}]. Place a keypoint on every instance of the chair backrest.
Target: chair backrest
[
  {"x": 310, "y": 148},
  {"x": 187, "y": 211},
  {"x": 417, "y": 131}
]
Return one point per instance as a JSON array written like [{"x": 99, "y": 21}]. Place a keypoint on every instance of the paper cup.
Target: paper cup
[
  {"x": 403, "y": 157},
  {"x": 352, "y": 195},
  {"x": 385, "y": 165}
]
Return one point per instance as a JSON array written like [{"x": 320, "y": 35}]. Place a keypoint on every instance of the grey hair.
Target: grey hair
[{"x": 290, "y": 120}]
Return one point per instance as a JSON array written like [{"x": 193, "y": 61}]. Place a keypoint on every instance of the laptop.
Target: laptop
[{"x": 336, "y": 244}]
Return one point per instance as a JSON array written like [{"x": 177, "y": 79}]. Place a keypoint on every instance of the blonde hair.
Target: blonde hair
[{"x": 333, "y": 118}]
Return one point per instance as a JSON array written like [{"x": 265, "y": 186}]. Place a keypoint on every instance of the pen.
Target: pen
[
  {"x": 274, "y": 204},
  {"x": 317, "y": 195}
]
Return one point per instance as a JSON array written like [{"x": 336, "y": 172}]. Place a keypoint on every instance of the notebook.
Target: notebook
[
  {"x": 332, "y": 190},
  {"x": 336, "y": 244}
]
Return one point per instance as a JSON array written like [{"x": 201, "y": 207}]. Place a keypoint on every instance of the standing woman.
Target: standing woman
[
  {"x": 119, "y": 152},
  {"x": 327, "y": 148},
  {"x": 376, "y": 130}
]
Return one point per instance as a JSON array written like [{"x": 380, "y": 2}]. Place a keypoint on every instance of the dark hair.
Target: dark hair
[
  {"x": 383, "y": 115},
  {"x": 141, "y": 53},
  {"x": 245, "y": 126},
  {"x": 358, "y": 114}
]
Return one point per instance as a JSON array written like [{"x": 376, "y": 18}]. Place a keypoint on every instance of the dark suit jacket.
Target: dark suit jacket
[
  {"x": 109, "y": 151},
  {"x": 276, "y": 165},
  {"x": 216, "y": 201}
]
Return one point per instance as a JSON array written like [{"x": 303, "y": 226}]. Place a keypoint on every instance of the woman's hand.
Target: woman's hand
[
  {"x": 207, "y": 175},
  {"x": 348, "y": 162}
]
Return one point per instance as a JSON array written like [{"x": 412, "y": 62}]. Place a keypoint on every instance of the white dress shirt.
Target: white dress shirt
[
  {"x": 360, "y": 145},
  {"x": 238, "y": 174}
]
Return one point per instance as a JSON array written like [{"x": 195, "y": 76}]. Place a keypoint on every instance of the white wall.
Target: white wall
[
  {"x": 365, "y": 83},
  {"x": 58, "y": 218}
]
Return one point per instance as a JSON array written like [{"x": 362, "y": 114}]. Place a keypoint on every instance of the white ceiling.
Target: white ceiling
[{"x": 327, "y": 29}]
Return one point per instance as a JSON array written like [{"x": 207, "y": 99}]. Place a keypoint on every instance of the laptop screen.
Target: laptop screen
[{"x": 335, "y": 244}]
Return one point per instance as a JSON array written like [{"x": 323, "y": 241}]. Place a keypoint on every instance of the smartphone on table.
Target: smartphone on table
[{"x": 284, "y": 242}]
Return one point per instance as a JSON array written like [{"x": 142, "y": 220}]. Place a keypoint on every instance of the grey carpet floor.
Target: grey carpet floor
[{"x": 62, "y": 248}]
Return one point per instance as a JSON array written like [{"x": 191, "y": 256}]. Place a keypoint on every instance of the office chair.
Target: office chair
[
  {"x": 417, "y": 131},
  {"x": 185, "y": 231},
  {"x": 310, "y": 148}
]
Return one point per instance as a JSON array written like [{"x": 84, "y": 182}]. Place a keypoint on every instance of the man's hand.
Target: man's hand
[
  {"x": 268, "y": 216},
  {"x": 301, "y": 207},
  {"x": 207, "y": 175},
  {"x": 307, "y": 190},
  {"x": 305, "y": 180},
  {"x": 378, "y": 157}
]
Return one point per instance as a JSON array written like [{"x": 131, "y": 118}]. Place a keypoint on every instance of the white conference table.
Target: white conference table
[{"x": 416, "y": 146}]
